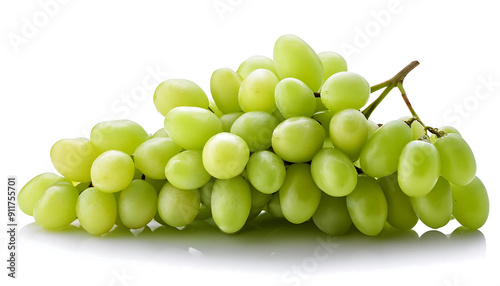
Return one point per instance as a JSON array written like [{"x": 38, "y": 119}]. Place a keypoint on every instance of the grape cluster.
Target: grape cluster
[{"x": 284, "y": 136}]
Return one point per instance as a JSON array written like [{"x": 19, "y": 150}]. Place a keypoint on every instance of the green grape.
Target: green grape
[
  {"x": 294, "y": 98},
  {"x": 257, "y": 91},
  {"x": 380, "y": 155},
  {"x": 204, "y": 213},
  {"x": 319, "y": 105},
  {"x": 328, "y": 143},
  {"x": 367, "y": 206},
  {"x": 349, "y": 131},
  {"x": 295, "y": 58},
  {"x": 470, "y": 204},
  {"x": 278, "y": 115},
  {"x": 191, "y": 127},
  {"x": 332, "y": 216},
  {"x": 137, "y": 204},
  {"x": 120, "y": 135},
  {"x": 258, "y": 202},
  {"x": 333, "y": 172},
  {"x": 299, "y": 195},
  {"x": 73, "y": 158},
  {"x": 185, "y": 170},
  {"x": 96, "y": 211},
  {"x": 447, "y": 130},
  {"x": 225, "y": 155},
  {"x": 417, "y": 130},
  {"x": 137, "y": 174},
  {"x": 332, "y": 63},
  {"x": 161, "y": 133},
  {"x": 400, "y": 213},
  {"x": 80, "y": 187},
  {"x": 324, "y": 117},
  {"x": 56, "y": 206},
  {"x": 372, "y": 127},
  {"x": 214, "y": 108},
  {"x": 419, "y": 168},
  {"x": 178, "y": 207},
  {"x": 231, "y": 203},
  {"x": 345, "y": 90},
  {"x": 227, "y": 120},
  {"x": 255, "y": 63},
  {"x": 458, "y": 164},
  {"x": 206, "y": 192},
  {"x": 274, "y": 206},
  {"x": 266, "y": 171},
  {"x": 34, "y": 188},
  {"x": 152, "y": 156},
  {"x": 112, "y": 171},
  {"x": 298, "y": 139},
  {"x": 157, "y": 184},
  {"x": 178, "y": 92},
  {"x": 256, "y": 128},
  {"x": 435, "y": 209},
  {"x": 224, "y": 86}
]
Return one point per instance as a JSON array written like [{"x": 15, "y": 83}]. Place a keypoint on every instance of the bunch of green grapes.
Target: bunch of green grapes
[{"x": 284, "y": 136}]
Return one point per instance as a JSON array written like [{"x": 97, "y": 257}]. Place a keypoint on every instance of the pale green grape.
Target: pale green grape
[
  {"x": 324, "y": 117},
  {"x": 332, "y": 216},
  {"x": 73, "y": 158},
  {"x": 295, "y": 58},
  {"x": 274, "y": 206},
  {"x": 224, "y": 86},
  {"x": 367, "y": 206},
  {"x": 206, "y": 192},
  {"x": 380, "y": 154},
  {"x": 255, "y": 63},
  {"x": 458, "y": 164},
  {"x": 333, "y": 172},
  {"x": 214, "y": 108},
  {"x": 299, "y": 195},
  {"x": 178, "y": 207},
  {"x": 96, "y": 211},
  {"x": 227, "y": 120},
  {"x": 372, "y": 127},
  {"x": 278, "y": 115},
  {"x": 445, "y": 129},
  {"x": 231, "y": 203},
  {"x": 470, "y": 204},
  {"x": 256, "y": 128},
  {"x": 178, "y": 92},
  {"x": 259, "y": 201},
  {"x": 345, "y": 90},
  {"x": 419, "y": 168},
  {"x": 152, "y": 156},
  {"x": 298, "y": 139},
  {"x": 120, "y": 135},
  {"x": 417, "y": 130},
  {"x": 137, "y": 204},
  {"x": 332, "y": 63},
  {"x": 319, "y": 105},
  {"x": 266, "y": 171},
  {"x": 225, "y": 155},
  {"x": 34, "y": 188},
  {"x": 185, "y": 170},
  {"x": 294, "y": 98},
  {"x": 257, "y": 91},
  {"x": 82, "y": 186},
  {"x": 435, "y": 209},
  {"x": 160, "y": 133},
  {"x": 349, "y": 131},
  {"x": 191, "y": 127},
  {"x": 112, "y": 171},
  {"x": 56, "y": 206},
  {"x": 157, "y": 184},
  {"x": 400, "y": 213}
]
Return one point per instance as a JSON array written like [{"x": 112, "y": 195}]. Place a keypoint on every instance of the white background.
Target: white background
[{"x": 86, "y": 61}]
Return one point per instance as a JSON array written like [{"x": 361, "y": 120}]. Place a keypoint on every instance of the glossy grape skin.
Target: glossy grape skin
[
  {"x": 178, "y": 92},
  {"x": 294, "y": 98},
  {"x": 345, "y": 90},
  {"x": 349, "y": 131},
  {"x": 178, "y": 207},
  {"x": 256, "y": 128},
  {"x": 112, "y": 171},
  {"x": 191, "y": 127},
  {"x": 470, "y": 204},
  {"x": 254, "y": 63},
  {"x": 214, "y": 108},
  {"x": 224, "y": 86},
  {"x": 231, "y": 203},
  {"x": 96, "y": 211},
  {"x": 367, "y": 206},
  {"x": 435, "y": 209},
  {"x": 257, "y": 91},
  {"x": 380, "y": 155},
  {"x": 419, "y": 168},
  {"x": 295, "y": 58},
  {"x": 121, "y": 135},
  {"x": 56, "y": 206},
  {"x": 417, "y": 130},
  {"x": 298, "y": 139},
  {"x": 445, "y": 129},
  {"x": 185, "y": 170},
  {"x": 152, "y": 156},
  {"x": 228, "y": 120},
  {"x": 32, "y": 190},
  {"x": 274, "y": 206},
  {"x": 333, "y": 172},
  {"x": 206, "y": 192},
  {"x": 332, "y": 216},
  {"x": 400, "y": 213},
  {"x": 225, "y": 155},
  {"x": 299, "y": 195},
  {"x": 332, "y": 63},
  {"x": 266, "y": 171},
  {"x": 259, "y": 201},
  {"x": 160, "y": 133},
  {"x": 73, "y": 158},
  {"x": 458, "y": 164},
  {"x": 137, "y": 204}
]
